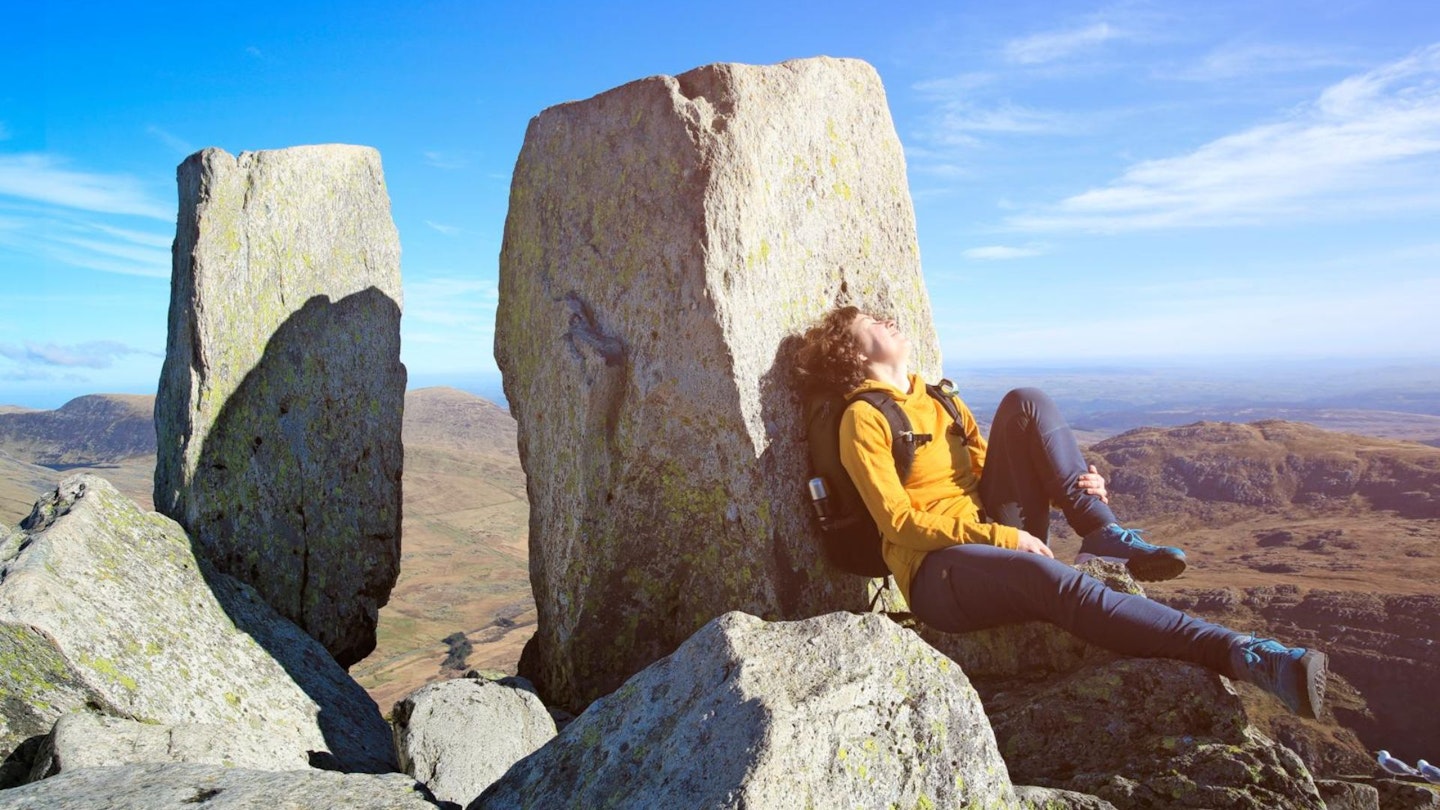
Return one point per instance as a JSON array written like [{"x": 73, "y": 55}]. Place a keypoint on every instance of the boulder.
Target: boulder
[
  {"x": 459, "y": 736},
  {"x": 836, "y": 711},
  {"x": 108, "y": 605},
  {"x": 278, "y": 414},
  {"x": 1398, "y": 794},
  {"x": 84, "y": 739},
  {"x": 1343, "y": 795},
  {"x": 1146, "y": 733},
  {"x": 183, "y": 786},
  {"x": 663, "y": 240}
]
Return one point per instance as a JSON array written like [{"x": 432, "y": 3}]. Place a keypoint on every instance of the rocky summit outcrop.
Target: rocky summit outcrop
[
  {"x": 1386, "y": 646},
  {"x": 458, "y": 736},
  {"x": 106, "y": 605},
  {"x": 279, "y": 409},
  {"x": 663, "y": 240},
  {"x": 1146, "y": 734},
  {"x": 185, "y": 786},
  {"x": 836, "y": 711}
]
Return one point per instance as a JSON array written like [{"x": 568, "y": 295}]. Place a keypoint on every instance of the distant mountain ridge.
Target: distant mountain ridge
[
  {"x": 89, "y": 430},
  {"x": 1268, "y": 464}
]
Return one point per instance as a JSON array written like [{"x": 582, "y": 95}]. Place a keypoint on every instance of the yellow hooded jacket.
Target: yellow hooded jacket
[{"x": 938, "y": 505}]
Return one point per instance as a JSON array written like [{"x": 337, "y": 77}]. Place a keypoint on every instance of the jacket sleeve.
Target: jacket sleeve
[{"x": 865, "y": 452}]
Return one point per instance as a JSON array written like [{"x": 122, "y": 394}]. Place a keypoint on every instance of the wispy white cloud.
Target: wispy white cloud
[
  {"x": 445, "y": 160},
  {"x": 452, "y": 302},
  {"x": 1053, "y": 45},
  {"x": 171, "y": 140},
  {"x": 44, "y": 178},
  {"x": 955, "y": 85},
  {"x": 1240, "y": 60},
  {"x": 1369, "y": 142},
  {"x": 57, "y": 238},
  {"x": 1001, "y": 252},
  {"x": 95, "y": 354},
  {"x": 1274, "y": 317},
  {"x": 448, "y": 230},
  {"x": 443, "y": 313},
  {"x": 256, "y": 53}
]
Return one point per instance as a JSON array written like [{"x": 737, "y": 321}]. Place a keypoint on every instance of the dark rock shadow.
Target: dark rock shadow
[
  {"x": 297, "y": 495},
  {"x": 804, "y": 576}
]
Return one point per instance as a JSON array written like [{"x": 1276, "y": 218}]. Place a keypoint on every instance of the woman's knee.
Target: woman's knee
[{"x": 1029, "y": 400}]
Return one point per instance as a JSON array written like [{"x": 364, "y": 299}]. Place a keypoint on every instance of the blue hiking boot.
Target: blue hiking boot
[
  {"x": 1146, "y": 562},
  {"x": 1293, "y": 674}
]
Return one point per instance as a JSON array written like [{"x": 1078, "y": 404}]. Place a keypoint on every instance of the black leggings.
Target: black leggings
[{"x": 1033, "y": 461}]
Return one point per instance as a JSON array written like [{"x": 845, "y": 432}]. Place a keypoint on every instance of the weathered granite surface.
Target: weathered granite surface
[
  {"x": 459, "y": 736},
  {"x": 278, "y": 414},
  {"x": 186, "y": 786},
  {"x": 663, "y": 240},
  {"x": 836, "y": 711},
  {"x": 1146, "y": 733},
  {"x": 83, "y": 739},
  {"x": 103, "y": 603}
]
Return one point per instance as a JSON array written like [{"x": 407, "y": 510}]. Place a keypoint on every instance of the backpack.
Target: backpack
[{"x": 849, "y": 536}]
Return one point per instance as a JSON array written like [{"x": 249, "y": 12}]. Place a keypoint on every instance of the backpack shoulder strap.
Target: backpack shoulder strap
[
  {"x": 903, "y": 441},
  {"x": 944, "y": 391}
]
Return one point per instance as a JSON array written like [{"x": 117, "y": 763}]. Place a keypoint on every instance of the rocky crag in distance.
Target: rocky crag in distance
[
  {"x": 663, "y": 240},
  {"x": 279, "y": 409}
]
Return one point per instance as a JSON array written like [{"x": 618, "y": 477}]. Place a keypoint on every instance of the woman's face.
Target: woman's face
[{"x": 880, "y": 341}]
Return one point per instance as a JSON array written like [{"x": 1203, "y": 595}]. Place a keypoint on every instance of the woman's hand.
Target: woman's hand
[
  {"x": 1091, "y": 483},
  {"x": 1034, "y": 545}
]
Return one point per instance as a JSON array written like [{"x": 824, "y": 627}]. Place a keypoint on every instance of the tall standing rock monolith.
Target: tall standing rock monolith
[
  {"x": 663, "y": 240},
  {"x": 280, "y": 401}
]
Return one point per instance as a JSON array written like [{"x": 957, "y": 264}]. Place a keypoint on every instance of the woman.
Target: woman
[{"x": 965, "y": 533}]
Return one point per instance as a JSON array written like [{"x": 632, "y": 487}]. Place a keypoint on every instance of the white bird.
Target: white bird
[
  {"x": 1395, "y": 766},
  {"x": 1430, "y": 772}
]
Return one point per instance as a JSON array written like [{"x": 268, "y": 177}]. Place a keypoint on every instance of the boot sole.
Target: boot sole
[
  {"x": 1316, "y": 667},
  {"x": 1152, "y": 569},
  {"x": 1156, "y": 569}
]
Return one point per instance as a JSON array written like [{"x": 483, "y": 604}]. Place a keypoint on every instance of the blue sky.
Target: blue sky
[{"x": 1093, "y": 182}]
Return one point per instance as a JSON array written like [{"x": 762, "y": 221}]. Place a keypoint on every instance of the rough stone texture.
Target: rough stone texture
[
  {"x": 1146, "y": 733},
  {"x": 663, "y": 240},
  {"x": 459, "y": 736},
  {"x": 186, "y": 786},
  {"x": 1398, "y": 794},
  {"x": 1341, "y": 795},
  {"x": 86, "y": 740},
  {"x": 1041, "y": 798},
  {"x": 107, "y": 604},
  {"x": 37, "y": 685},
  {"x": 278, "y": 415},
  {"x": 835, "y": 711}
]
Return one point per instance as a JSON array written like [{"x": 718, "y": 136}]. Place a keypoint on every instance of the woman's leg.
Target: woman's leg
[
  {"x": 1033, "y": 461},
  {"x": 972, "y": 587}
]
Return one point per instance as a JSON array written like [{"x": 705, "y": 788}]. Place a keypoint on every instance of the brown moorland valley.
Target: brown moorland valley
[{"x": 1292, "y": 531}]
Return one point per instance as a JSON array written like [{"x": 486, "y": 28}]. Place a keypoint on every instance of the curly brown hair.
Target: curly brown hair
[{"x": 828, "y": 359}]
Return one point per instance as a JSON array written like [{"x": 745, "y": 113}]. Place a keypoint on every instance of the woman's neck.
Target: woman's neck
[{"x": 896, "y": 375}]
